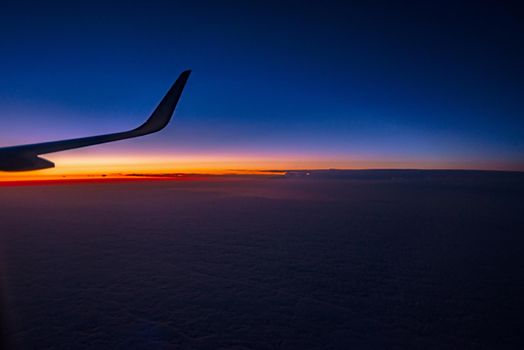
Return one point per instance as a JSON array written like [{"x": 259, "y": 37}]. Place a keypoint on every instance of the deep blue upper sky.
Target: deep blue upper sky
[{"x": 414, "y": 80}]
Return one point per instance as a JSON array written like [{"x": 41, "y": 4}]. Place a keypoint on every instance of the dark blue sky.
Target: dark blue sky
[{"x": 436, "y": 82}]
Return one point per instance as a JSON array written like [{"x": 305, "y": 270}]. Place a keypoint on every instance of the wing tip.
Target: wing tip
[
  {"x": 184, "y": 76},
  {"x": 166, "y": 108}
]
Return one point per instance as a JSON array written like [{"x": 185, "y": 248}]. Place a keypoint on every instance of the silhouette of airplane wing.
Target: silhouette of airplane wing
[{"x": 25, "y": 157}]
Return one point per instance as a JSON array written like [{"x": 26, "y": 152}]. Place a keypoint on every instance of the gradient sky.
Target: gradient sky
[{"x": 427, "y": 84}]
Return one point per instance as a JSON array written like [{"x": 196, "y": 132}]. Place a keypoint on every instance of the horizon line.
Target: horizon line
[{"x": 232, "y": 174}]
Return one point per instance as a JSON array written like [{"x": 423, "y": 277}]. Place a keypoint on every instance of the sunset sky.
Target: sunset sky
[{"x": 288, "y": 86}]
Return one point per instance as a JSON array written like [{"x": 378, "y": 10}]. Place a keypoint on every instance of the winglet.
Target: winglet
[{"x": 164, "y": 111}]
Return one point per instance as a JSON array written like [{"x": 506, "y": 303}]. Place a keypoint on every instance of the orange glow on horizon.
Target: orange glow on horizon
[{"x": 92, "y": 166}]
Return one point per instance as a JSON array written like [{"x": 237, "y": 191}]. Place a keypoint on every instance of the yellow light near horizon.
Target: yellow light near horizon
[
  {"x": 123, "y": 166},
  {"x": 85, "y": 166}
]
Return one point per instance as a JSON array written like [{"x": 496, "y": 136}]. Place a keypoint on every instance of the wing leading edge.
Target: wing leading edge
[{"x": 25, "y": 157}]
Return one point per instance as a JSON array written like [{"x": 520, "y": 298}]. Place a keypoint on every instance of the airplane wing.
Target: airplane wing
[{"x": 25, "y": 157}]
